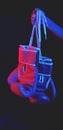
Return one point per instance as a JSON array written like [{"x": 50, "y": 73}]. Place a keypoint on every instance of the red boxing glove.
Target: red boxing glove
[
  {"x": 27, "y": 67},
  {"x": 26, "y": 73}
]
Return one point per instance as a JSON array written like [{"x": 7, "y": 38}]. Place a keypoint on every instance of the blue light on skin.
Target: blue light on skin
[{"x": 53, "y": 27}]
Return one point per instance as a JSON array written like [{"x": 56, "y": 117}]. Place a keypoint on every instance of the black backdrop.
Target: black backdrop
[{"x": 15, "y": 29}]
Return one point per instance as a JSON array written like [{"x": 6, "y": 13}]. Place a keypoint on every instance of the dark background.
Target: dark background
[{"x": 15, "y": 29}]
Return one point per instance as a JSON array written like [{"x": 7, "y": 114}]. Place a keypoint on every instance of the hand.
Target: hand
[
  {"x": 37, "y": 18},
  {"x": 34, "y": 16}
]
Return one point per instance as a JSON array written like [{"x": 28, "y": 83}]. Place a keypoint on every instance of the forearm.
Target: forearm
[{"x": 56, "y": 29}]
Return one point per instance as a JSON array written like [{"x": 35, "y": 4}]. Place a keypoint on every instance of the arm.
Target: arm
[
  {"x": 53, "y": 27},
  {"x": 56, "y": 29}
]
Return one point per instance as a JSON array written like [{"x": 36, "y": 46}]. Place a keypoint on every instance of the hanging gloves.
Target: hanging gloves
[{"x": 27, "y": 69}]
